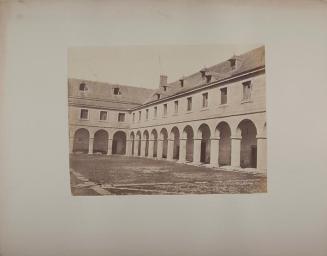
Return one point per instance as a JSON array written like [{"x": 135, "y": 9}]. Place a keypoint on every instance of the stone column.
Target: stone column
[
  {"x": 261, "y": 153},
  {"x": 236, "y": 151},
  {"x": 109, "y": 150},
  {"x": 197, "y": 151},
  {"x": 71, "y": 144},
  {"x": 170, "y": 151},
  {"x": 214, "y": 151},
  {"x": 128, "y": 147},
  {"x": 182, "y": 151},
  {"x": 150, "y": 150},
  {"x": 143, "y": 145},
  {"x": 91, "y": 141},
  {"x": 160, "y": 149},
  {"x": 135, "y": 147}
]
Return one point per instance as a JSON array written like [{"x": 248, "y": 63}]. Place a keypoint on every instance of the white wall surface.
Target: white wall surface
[{"x": 38, "y": 215}]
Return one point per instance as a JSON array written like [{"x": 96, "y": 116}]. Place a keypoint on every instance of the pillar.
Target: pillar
[
  {"x": 109, "y": 150},
  {"x": 150, "y": 150},
  {"x": 182, "y": 151},
  {"x": 170, "y": 151},
  {"x": 160, "y": 149},
  {"x": 71, "y": 144},
  {"x": 236, "y": 151},
  {"x": 214, "y": 151},
  {"x": 91, "y": 141},
  {"x": 128, "y": 147},
  {"x": 261, "y": 153},
  {"x": 197, "y": 151},
  {"x": 135, "y": 148},
  {"x": 143, "y": 145}
]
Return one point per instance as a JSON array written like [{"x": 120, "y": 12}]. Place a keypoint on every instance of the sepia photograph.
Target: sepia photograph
[{"x": 148, "y": 120}]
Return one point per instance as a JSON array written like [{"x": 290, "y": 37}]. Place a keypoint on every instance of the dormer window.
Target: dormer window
[
  {"x": 232, "y": 63},
  {"x": 165, "y": 88},
  {"x": 158, "y": 96},
  {"x": 117, "y": 91},
  {"x": 181, "y": 82},
  {"x": 82, "y": 87},
  {"x": 203, "y": 73},
  {"x": 208, "y": 78}
]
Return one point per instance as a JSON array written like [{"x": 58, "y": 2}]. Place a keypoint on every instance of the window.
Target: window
[
  {"x": 155, "y": 110},
  {"x": 223, "y": 95},
  {"x": 189, "y": 104},
  {"x": 165, "y": 88},
  {"x": 140, "y": 115},
  {"x": 176, "y": 106},
  {"x": 121, "y": 117},
  {"x": 133, "y": 117},
  {"x": 158, "y": 96},
  {"x": 117, "y": 91},
  {"x": 208, "y": 78},
  {"x": 82, "y": 87},
  {"x": 84, "y": 114},
  {"x": 165, "y": 109},
  {"x": 147, "y": 114},
  {"x": 232, "y": 63},
  {"x": 247, "y": 90},
  {"x": 103, "y": 115},
  {"x": 205, "y": 100},
  {"x": 182, "y": 82}
]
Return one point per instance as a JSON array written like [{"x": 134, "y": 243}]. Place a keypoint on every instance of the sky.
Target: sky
[{"x": 142, "y": 65}]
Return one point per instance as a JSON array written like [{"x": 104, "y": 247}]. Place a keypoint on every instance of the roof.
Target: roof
[
  {"x": 100, "y": 94},
  {"x": 244, "y": 62}
]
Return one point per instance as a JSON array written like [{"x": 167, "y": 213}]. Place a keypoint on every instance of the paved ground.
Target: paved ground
[{"x": 121, "y": 175}]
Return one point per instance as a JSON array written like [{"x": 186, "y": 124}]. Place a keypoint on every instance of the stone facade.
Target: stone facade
[{"x": 216, "y": 116}]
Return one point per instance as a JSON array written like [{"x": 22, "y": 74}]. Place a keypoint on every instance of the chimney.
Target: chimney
[{"x": 163, "y": 81}]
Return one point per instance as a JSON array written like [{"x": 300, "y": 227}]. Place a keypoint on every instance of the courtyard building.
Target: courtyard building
[{"x": 214, "y": 117}]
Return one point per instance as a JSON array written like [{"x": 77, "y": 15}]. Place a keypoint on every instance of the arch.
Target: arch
[
  {"x": 175, "y": 137},
  {"x": 119, "y": 143},
  {"x": 223, "y": 132},
  {"x": 132, "y": 138},
  {"x": 248, "y": 132},
  {"x": 81, "y": 141},
  {"x": 138, "y": 141},
  {"x": 146, "y": 144},
  {"x": 154, "y": 138},
  {"x": 164, "y": 138},
  {"x": 100, "y": 143},
  {"x": 204, "y": 135},
  {"x": 188, "y": 135}
]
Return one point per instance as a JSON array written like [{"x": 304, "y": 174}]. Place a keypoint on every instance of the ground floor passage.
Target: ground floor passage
[{"x": 245, "y": 148}]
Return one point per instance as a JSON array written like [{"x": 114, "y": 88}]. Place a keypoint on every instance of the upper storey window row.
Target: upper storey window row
[
  {"x": 84, "y": 114},
  {"x": 221, "y": 98}
]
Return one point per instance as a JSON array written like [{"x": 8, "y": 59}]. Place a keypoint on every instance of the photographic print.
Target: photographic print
[{"x": 167, "y": 120}]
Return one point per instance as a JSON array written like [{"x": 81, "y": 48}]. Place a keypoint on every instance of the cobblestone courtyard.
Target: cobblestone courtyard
[{"x": 121, "y": 175}]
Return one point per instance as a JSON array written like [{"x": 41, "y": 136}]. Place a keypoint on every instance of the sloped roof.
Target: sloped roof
[
  {"x": 244, "y": 62},
  {"x": 100, "y": 94}
]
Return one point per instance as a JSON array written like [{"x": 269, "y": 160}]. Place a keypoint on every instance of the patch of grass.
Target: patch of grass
[{"x": 122, "y": 170}]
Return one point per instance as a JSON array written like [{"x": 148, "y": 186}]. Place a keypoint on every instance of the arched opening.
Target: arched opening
[
  {"x": 81, "y": 141},
  {"x": 164, "y": 138},
  {"x": 248, "y": 133},
  {"x": 146, "y": 144},
  {"x": 154, "y": 137},
  {"x": 204, "y": 135},
  {"x": 119, "y": 143},
  {"x": 138, "y": 141},
  {"x": 132, "y": 138},
  {"x": 100, "y": 143},
  {"x": 224, "y": 155},
  {"x": 189, "y": 136},
  {"x": 175, "y": 137}
]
